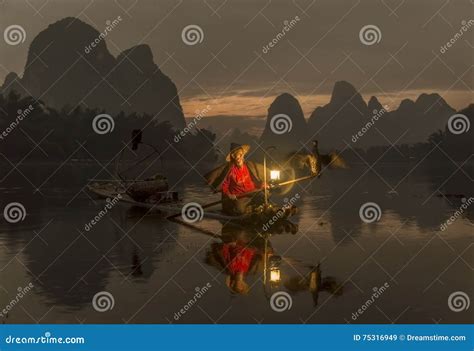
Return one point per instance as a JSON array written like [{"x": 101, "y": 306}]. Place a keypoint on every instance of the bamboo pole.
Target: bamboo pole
[{"x": 265, "y": 191}]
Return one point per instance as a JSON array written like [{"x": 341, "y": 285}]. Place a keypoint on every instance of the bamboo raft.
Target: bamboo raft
[{"x": 171, "y": 205}]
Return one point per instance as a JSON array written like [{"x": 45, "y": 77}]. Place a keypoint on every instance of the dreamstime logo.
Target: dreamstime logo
[
  {"x": 465, "y": 26},
  {"x": 465, "y": 204},
  {"x": 280, "y": 124},
  {"x": 14, "y": 34},
  {"x": 281, "y": 301},
  {"x": 375, "y": 117},
  {"x": 288, "y": 204},
  {"x": 110, "y": 25},
  {"x": 458, "y": 301},
  {"x": 47, "y": 339},
  {"x": 14, "y": 212},
  {"x": 103, "y": 124},
  {"x": 103, "y": 301},
  {"x": 192, "y": 212},
  {"x": 199, "y": 293},
  {"x": 458, "y": 124},
  {"x": 110, "y": 203},
  {"x": 199, "y": 114},
  {"x": 21, "y": 114},
  {"x": 287, "y": 26},
  {"x": 377, "y": 292},
  {"x": 192, "y": 34},
  {"x": 21, "y": 292},
  {"x": 370, "y": 35},
  {"x": 370, "y": 212}
]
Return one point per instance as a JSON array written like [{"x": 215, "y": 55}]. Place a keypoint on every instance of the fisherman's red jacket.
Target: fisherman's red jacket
[
  {"x": 238, "y": 181},
  {"x": 222, "y": 178}
]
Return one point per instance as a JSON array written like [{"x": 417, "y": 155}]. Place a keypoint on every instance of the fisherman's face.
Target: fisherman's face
[{"x": 238, "y": 157}]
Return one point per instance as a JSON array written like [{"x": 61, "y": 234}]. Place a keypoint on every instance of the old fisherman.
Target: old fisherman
[{"x": 236, "y": 178}]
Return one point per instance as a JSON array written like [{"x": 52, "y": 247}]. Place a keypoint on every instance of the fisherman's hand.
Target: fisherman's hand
[
  {"x": 266, "y": 186},
  {"x": 232, "y": 196}
]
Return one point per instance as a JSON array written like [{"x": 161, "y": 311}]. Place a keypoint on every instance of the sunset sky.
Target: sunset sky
[{"x": 230, "y": 71}]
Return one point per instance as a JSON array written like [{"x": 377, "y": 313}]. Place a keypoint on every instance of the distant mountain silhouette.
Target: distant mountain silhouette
[
  {"x": 285, "y": 126},
  {"x": 61, "y": 72},
  {"x": 337, "y": 122},
  {"x": 347, "y": 113},
  {"x": 374, "y": 104}
]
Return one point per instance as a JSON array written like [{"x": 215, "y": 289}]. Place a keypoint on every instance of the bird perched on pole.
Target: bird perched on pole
[{"x": 332, "y": 160}]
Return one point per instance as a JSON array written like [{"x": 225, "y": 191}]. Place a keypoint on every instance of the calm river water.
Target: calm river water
[{"x": 151, "y": 268}]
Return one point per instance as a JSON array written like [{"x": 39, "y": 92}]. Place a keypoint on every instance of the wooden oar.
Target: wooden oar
[
  {"x": 249, "y": 193},
  {"x": 202, "y": 230}
]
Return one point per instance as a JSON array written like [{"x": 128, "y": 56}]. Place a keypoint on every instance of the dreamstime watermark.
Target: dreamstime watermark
[
  {"x": 46, "y": 339},
  {"x": 377, "y": 293},
  {"x": 21, "y": 114},
  {"x": 192, "y": 34},
  {"x": 111, "y": 202},
  {"x": 103, "y": 124},
  {"x": 281, "y": 301},
  {"x": 457, "y": 214},
  {"x": 21, "y": 292},
  {"x": 103, "y": 301},
  {"x": 14, "y": 34},
  {"x": 375, "y": 117},
  {"x": 281, "y": 124},
  {"x": 287, "y": 204},
  {"x": 465, "y": 26},
  {"x": 370, "y": 212},
  {"x": 14, "y": 212},
  {"x": 110, "y": 25},
  {"x": 287, "y": 26},
  {"x": 199, "y": 293},
  {"x": 199, "y": 114},
  {"x": 192, "y": 212},
  {"x": 370, "y": 35},
  {"x": 459, "y": 301},
  {"x": 458, "y": 124}
]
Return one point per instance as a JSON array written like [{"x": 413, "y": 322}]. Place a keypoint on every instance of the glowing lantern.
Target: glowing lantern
[
  {"x": 275, "y": 175},
  {"x": 274, "y": 274}
]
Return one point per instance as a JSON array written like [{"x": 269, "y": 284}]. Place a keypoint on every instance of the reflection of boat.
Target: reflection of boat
[{"x": 274, "y": 221}]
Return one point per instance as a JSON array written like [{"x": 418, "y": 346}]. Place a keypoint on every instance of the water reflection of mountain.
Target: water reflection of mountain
[
  {"x": 69, "y": 268},
  {"x": 452, "y": 185},
  {"x": 424, "y": 195},
  {"x": 336, "y": 197}
]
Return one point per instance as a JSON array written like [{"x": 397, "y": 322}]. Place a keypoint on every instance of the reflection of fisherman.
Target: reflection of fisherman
[
  {"x": 235, "y": 178},
  {"x": 239, "y": 254}
]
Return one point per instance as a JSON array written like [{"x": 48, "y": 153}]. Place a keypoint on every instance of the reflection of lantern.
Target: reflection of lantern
[
  {"x": 271, "y": 271},
  {"x": 274, "y": 274},
  {"x": 275, "y": 175}
]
